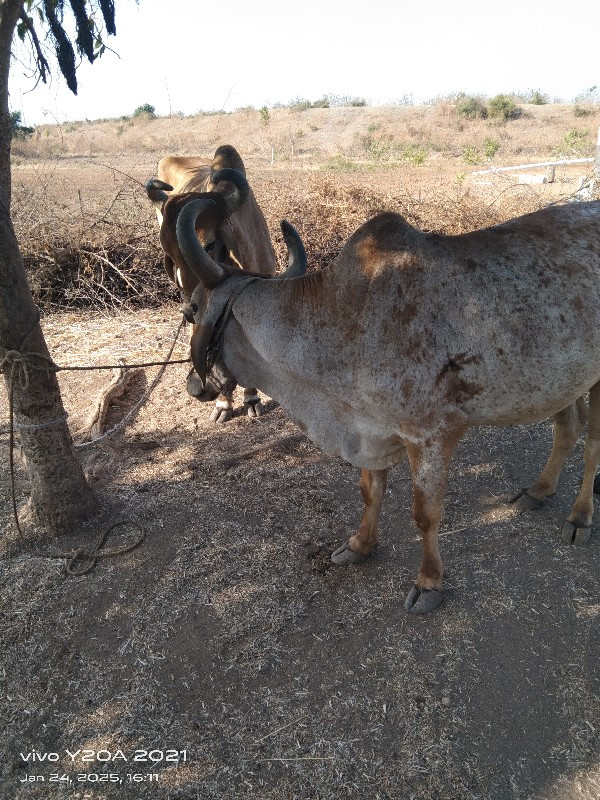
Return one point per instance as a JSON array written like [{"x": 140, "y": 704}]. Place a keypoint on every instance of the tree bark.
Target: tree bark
[{"x": 60, "y": 496}]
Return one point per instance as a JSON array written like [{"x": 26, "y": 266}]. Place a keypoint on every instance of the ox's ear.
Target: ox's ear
[
  {"x": 227, "y": 156},
  {"x": 296, "y": 253},
  {"x": 199, "y": 347},
  {"x": 156, "y": 191}
]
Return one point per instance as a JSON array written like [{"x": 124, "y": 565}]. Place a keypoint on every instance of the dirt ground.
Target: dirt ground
[
  {"x": 226, "y": 658},
  {"x": 227, "y": 640}
]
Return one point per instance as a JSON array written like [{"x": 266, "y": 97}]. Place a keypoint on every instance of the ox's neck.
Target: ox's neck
[{"x": 289, "y": 340}]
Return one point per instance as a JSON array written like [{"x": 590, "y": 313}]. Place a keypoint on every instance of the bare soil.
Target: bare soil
[{"x": 228, "y": 640}]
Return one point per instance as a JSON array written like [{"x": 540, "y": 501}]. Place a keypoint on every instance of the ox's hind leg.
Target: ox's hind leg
[
  {"x": 576, "y": 529},
  {"x": 358, "y": 547},
  {"x": 429, "y": 464},
  {"x": 568, "y": 425},
  {"x": 252, "y": 405}
]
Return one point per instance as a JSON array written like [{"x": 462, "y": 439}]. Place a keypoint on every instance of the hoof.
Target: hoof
[
  {"x": 526, "y": 502},
  {"x": 420, "y": 601},
  {"x": 576, "y": 534},
  {"x": 254, "y": 408},
  {"x": 344, "y": 556},
  {"x": 221, "y": 414}
]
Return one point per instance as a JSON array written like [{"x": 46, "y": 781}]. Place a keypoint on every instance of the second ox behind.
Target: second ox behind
[{"x": 234, "y": 233}]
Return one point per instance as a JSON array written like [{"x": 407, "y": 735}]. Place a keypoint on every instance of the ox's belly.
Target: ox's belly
[
  {"x": 527, "y": 397},
  {"x": 345, "y": 433}
]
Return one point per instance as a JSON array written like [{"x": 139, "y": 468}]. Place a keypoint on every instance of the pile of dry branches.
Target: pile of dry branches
[{"x": 102, "y": 248}]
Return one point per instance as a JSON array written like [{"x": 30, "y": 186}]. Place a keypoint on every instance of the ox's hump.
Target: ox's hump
[
  {"x": 391, "y": 230},
  {"x": 385, "y": 237}
]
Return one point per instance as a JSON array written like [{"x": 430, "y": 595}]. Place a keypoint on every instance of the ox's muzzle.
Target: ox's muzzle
[
  {"x": 207, "y": 380},
  {"x": 198, "y": 390}
]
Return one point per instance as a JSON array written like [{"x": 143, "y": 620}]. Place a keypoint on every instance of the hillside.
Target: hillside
[{"x": 411, "y": 134}]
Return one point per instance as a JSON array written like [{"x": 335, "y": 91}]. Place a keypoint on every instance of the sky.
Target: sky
[{"x": 184, "y": 56}]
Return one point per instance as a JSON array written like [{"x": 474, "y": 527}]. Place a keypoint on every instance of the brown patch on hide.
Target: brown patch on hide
[
  {"x": 457, "y": 389},
  {"x": 308, "y": 287},
  {"x": 419, "y": 509},
  {"x": 571, "y": 268},
  {"x": 408, "y": 313}
]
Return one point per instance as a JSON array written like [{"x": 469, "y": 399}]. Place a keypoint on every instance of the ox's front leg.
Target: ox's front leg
[
  {"x": 429, "y": 464},
  {"x": 358, "y": 547},
  {"x": 223, "y": 410},
  {"x": 577, "y": 528},
  {"x": 252, "y": 405}
]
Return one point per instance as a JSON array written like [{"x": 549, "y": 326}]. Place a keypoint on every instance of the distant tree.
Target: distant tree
[
  {"x": 145, "y": 110},
  {"x": 471, "y": 107},
  {"x": 265, "y": 116},
  {"x": 503, "y": 107},
  {"x": 55, "y": 29},
  {"x": 19, "y": 131},
  {"x": 537, "y": 98},
  {"x": 591, "y": 95}
]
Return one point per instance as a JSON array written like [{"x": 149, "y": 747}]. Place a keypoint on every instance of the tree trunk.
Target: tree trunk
[{"x": 60, "y": 496}]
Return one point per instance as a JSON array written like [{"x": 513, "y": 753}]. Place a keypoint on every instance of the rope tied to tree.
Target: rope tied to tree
[{"x": 19, "y": 365}]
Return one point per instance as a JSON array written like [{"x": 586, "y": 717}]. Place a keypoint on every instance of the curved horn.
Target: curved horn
[
  {"x": 156, "y": 189},
  {"x": 242, "y": 188},
  {"x": 208, "y": 272},
  {"x": 296, "y": 253}
]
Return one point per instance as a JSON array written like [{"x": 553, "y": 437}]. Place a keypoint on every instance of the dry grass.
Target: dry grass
[{"x": 309, "y": 137}]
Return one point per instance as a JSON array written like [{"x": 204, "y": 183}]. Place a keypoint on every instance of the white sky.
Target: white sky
[{"x": 192, "y": 55}]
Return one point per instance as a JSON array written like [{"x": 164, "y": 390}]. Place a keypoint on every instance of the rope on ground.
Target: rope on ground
[{"x": 92, "y": 557}]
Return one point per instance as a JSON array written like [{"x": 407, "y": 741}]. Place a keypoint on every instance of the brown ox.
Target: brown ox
[
  {"x": 234, "y": 233},
  {"x": 410, "y": 338}
]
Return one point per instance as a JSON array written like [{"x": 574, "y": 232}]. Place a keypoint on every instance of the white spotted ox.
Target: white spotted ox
[
  {"x": 410, "y": 338},
  {"x": 235, "y": 232}
]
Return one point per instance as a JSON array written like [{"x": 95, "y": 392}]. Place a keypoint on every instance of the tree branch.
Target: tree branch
[{"x": 42, "y": 63}]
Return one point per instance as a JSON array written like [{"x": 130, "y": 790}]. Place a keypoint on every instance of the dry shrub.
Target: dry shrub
[{"x": 83, "y": 247}]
